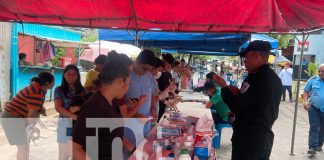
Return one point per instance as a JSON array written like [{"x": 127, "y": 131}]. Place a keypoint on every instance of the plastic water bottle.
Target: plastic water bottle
[
  {"x": 189, "y": 144},
  {"x": 191, "y": 130},
  {"x": 184, "y": 155},
  {"x": 158, "y": 153},
  {"x": 177, "y": 149},
  {"x": 190, "y": 139}
]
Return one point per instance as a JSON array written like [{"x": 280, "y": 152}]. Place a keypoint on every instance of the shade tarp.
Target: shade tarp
[
  {"x": 191, "y": 43},
  {"x": 281, "y": 60},
  {"x": 171, "y": 15},
  {"x": 92, "y": 52},
  {"x": 210, "y": 53}
]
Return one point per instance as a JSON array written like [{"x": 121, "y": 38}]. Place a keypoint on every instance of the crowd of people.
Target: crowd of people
[
  {"x": 140, "y": 91},
  {"x": 116, "y": 87}
]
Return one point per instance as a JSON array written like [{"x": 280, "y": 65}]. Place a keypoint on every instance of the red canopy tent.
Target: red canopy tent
[
  {"x": 230, "y": 16},
  {"x": 171, "y": 15}
]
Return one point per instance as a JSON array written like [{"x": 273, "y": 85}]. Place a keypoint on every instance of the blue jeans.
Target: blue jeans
[{"x": 316, "y": 131}]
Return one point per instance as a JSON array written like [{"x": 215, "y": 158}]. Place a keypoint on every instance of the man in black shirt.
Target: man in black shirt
[
  {"x": 255, "y": 105},
  {"x": 165, "y": 80}
]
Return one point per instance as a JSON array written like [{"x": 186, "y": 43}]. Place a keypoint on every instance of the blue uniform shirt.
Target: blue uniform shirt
[
  {"x": 141, "y": 85},
  {"x": 316, "y": 88}
]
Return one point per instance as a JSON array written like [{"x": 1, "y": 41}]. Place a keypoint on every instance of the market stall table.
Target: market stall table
[
  {"x": 190, "y": 96},
  {"x": 191, "y": 110}
]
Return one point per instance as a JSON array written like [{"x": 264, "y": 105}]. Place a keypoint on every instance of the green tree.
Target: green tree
[
  {"x": 60, "y": 52},
  {"x": 76, "y": 52},
  {"x": 91, "y": 38},
  {"x": 90, "y": 35},
  {"x": 156, "y": 51},
  {"x": 311, "y": 69},
  {"x": 207, "y": 57},
  {"x": 220, "y": 57},
  {"x": 283, "y": 39}
]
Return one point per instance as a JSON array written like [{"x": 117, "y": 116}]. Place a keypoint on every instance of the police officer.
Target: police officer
[
  {"x": 255, "y": 105},
  {"x": 314, "y": 103}
]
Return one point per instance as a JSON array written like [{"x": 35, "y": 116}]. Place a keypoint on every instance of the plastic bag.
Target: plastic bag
[{"x": 204, "y": 128}]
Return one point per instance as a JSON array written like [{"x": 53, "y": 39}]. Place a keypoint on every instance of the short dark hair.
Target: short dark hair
[
  {"x": 120, "y": 58},
  {"x": 159, "y": 63},
  {"x": 168, "y": 58},
  {"x": 101, "y": 59},
  {"x": 146, "y": 57},
  {"x": 123, "y": 58},
  {"x": 112, "y": 51},
  {"x": 209, "y": 85},
  {"x": 182, "y": 60},
  {"x": 176, "y": 63},
  {"x": 111, "y": 54},
  {"x": 210, "y": 75},
  {"x": 22, "y": 56},
  {"x": 113, "y": 70},
  {"x": 42, "y": 78}
]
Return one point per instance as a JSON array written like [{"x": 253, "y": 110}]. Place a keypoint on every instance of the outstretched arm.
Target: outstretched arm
[{"x": 230, "y": 94}]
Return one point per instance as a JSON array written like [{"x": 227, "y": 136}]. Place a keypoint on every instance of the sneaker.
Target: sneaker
[
  {"x": 291, "y": 101},
  {"x": 311, "y": 151},
  {"x": 282, "y": 100},
  {"x": 318, "y": 149}
]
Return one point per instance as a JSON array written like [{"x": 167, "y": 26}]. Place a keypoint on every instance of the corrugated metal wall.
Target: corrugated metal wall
[
  {"x": 49, "y": 32},
  {"x": 5, "y": 44}
]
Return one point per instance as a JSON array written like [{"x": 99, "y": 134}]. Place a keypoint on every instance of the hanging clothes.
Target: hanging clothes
[
  {"x": 39, "y": 51},
  {"x": 48, "y": 52},
  {"x": 38, "y": 47},
  {"x": 53, "y": 48}
]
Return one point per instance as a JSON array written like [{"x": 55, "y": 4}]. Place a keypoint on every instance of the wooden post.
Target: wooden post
[
  {"x": 34, "y": 51},
  {"x": 51, "y": 91}
]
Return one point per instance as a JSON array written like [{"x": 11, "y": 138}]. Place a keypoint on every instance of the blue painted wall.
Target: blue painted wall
[
  {"x": 14, "y": 70},
  {"x": 25, "y": 74},
  {"x": 20, "y": 76}
]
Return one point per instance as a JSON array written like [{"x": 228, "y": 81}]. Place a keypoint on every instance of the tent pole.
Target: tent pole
[
  {"x": 190, "y": 57},
  {"x": 99, "y": 46},
  {"x": 238, "y": 70},
  {"x": 297, "y": 94},
  {"x": 79, "y": 50},
  {"x": 136, "y": 39}
]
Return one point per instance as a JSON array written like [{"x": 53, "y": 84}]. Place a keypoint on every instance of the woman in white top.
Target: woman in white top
[{"x": 175, "y": 74}]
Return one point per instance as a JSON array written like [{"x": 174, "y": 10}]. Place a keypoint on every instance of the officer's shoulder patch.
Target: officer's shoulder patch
[{"x": 245, "y": 87}]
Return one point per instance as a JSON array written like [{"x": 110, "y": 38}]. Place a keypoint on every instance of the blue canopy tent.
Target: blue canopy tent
[
  {"x": 210, "y": 53},
  {"x": 192, "y": 43}
]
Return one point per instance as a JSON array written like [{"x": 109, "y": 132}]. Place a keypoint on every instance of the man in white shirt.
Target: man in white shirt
[
  {"x": 223, "y": 75},
  {"x": 175, "y": 73},
  {"x": 286, "y": 80}
]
